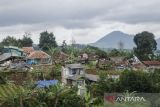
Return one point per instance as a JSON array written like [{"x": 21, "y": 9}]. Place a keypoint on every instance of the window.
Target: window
[
  {"x": 80, "y": 82},
  {"x": 73, "y": 72}
]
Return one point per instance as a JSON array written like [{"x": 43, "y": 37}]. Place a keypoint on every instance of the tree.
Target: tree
[
  {"x": 114, "y": 53},
  {"x": 135, "y": 81},
  {"x": 10, "y": 41},
  {"x": 26, "y": 41},
  {"x": 155, "y": 81},
  {"x": 53, "y": 52},
  {"x": 47, "y": 40},
  {"x": 70, "y": 99},
  {"x": 146, "y": 45}
]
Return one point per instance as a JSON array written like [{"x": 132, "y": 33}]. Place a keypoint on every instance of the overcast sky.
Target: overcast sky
[{"x": 84, "y": 20}]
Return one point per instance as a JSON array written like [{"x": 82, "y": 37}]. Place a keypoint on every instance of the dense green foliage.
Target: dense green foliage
[
  {"x": 26, "y": 41},
  {"x": 131, "y": 81},
  {"x": 97, "y": 51},
  {"x": 47, "y": 40},
  {"x": 135, "y": 81},
  {"x": 119, "y": 53},
  {"x": 54, "y": 96},
  {"x": 10, "y": 41},
  {"x": 146, "y": 45}
]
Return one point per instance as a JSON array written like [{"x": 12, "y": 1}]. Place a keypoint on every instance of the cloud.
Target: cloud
[
  {"x": 84, "y": 18},
  {"x": 79, "y": 12}
]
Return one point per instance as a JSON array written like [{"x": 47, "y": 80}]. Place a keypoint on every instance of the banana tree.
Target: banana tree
[
  {"x": 16, "y": 96},
  {"x": 88, "y": 99}
]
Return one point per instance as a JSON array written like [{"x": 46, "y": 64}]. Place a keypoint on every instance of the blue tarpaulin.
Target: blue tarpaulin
[{"x": 46, "y": 83}]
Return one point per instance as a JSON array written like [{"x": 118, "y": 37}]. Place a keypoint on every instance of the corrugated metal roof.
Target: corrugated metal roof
[
  {"x": 5, "y": 56},
  {"x": 74, "y": 66},
  {"x": 92, "y": 77},
  {"x": 75, "y": 77},
  {"x": 13, "y": 47}
]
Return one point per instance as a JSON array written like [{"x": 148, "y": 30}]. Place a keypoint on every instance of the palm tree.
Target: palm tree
[{"x": 53, "y": 52}]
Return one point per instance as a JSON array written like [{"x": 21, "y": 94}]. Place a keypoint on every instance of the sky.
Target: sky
[{"x": 84, "y": 20}]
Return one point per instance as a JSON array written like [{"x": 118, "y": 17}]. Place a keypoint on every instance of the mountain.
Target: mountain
[
  {"x": 114, "y": 39},
  {"x": 158, "y": 43}
]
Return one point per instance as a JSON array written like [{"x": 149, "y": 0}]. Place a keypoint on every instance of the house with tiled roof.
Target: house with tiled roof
[
  {"x": 61, "y": 57},
  {"x": 38, "y": 57},
  {"x": 152, "y": 65},
  {"x": 27, "y": 50}
]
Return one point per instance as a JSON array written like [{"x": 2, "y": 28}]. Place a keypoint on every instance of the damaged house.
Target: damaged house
[
  {"x": 121, "y": 63},
  {"x": 74, "y": 75},
  {"x": 13, "y": 58},
  {"x": 11, "y": 53}
]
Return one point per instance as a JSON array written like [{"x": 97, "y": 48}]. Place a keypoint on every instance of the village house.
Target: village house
[
  {"x": 61, "y": 57},
  {"x": 151, "y": 65},
  {"x": 74, "y": 75},
  {"x": 93, "y": 57},
  {"x": 120, "y": 63},
  {"x": 92, "y": 78},
  {"x": 104, "y": 63},
  {"x": 83, "y": 58},
  {"x": 13, "y": 58},
  {"x": 136, "y": 64},
  {"x": 10, "y": 53},
  {"x": 38, "y": 57},
  {"x": 27, "y": 50}
]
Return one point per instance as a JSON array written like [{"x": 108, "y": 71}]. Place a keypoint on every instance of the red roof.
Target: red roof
[
  {"x": 28, "y": 50},
  {"x": 151, "y": 62},
  {"x": 138, "y": 65},
  {"x": 38, "y": 55}
]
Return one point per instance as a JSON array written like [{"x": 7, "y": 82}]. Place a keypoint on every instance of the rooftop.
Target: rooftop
[
  {"x": 151, "y": 62},
  {"x": 38, "y": 55},
  {"x": 92, "y": 77},
  {"x": 74, "y": 66},
  {"x": 27, "y": 49},
  {"x": 76, "y": 77},
  {"x": 13, "y": 47}
]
